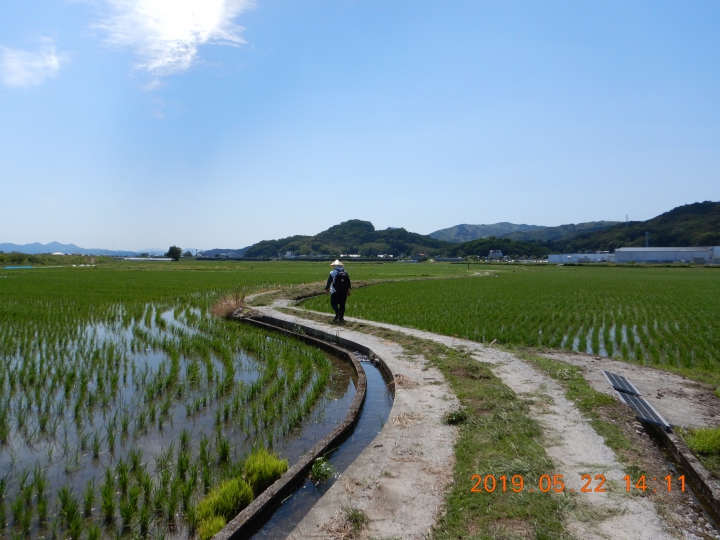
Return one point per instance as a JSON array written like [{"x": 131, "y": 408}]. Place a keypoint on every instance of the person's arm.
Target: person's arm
[
  {"x": 349, "y": 286},
  {"x": 329, "y": 282}
]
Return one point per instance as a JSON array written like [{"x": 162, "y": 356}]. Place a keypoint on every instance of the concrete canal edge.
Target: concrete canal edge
[
  {"x": 253, "y": 516},
  {"x": 698, "y": 476}
]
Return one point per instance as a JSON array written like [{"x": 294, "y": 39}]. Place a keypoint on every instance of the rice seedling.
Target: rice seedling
[
  {"x": 262, "y": 469},
  {"x": 107, "y": 494},
  {"x": 134, "y": 457},
  {"x": 69, "y": 506},
  {"x": 89, "y": 498},
  {"x": 123, "y": 476},
  {"x": 223, "y": 449},
  {"x": 96, "y": 446},
  {"x": 226, "y": 500},
  {"x": 210, "y": 527},
  {"x": 93, "y": 532},
  {"x": 145, "y": 517}
]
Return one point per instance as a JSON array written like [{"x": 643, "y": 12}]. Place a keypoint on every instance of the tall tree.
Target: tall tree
[{"x": 174, "y": 253}]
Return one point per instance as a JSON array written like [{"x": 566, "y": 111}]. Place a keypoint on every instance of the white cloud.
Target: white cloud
[
  {"x": 166, "y": 34},
  {"x": 24, "y": 68}
]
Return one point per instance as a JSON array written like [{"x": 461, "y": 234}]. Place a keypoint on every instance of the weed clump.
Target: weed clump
[
  {"x": 456, "y": 416},
  {"x": 357, "y": 518},
  {"x": 321, "y": 470},
  {"x": 703, "y": 440},
  {"x": 262, "y": 469}
]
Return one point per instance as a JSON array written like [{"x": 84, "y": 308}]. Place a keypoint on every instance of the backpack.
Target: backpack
[{"x": 342, "y": 281}]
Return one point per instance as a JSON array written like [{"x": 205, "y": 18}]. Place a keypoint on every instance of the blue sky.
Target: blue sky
[{"x": 219, "y": 123}]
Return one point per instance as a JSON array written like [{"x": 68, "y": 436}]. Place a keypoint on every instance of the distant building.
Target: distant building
[
  {"x": 495, "y": 254},
  {"x": 581, "y": 258},
  {"x": 289, "y": 254},
  {"x": 449, "y": 259},
  {"x": 697, "y": 255}
]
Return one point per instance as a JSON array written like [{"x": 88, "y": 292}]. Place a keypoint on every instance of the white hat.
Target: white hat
[{"x": 336, "y": 262}]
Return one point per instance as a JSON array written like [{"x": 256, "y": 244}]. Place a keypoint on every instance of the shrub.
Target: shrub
[
  {"x": 210, "y": 527},
  {"x": 262, "y": 469}
]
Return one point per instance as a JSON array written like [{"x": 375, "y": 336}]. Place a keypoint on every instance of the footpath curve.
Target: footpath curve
[{"x": 400, "y": 479}]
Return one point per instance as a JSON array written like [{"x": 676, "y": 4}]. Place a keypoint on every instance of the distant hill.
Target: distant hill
[
  {"x": 561, "y": 231},
  {"x": 525, "y": 233},
  {"x": 466, "y": 233},
  {"x": 351, "y": 237},
  {"x": 512, "y": 248},
  {"x": 36, "y": 248},
  {"x": 220, "y": 252},
  {"x": 696, "y": 224}
]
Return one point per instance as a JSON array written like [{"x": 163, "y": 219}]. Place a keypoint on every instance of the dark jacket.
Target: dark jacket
[{"x": 330, "y": 285}]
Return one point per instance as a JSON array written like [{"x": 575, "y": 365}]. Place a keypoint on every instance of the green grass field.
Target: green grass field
[{"x": 665, "y": 317}]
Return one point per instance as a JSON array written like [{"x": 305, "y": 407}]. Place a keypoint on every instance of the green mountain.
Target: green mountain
[
  {"x": 351, "y": 237},
  {"x": 513, "y": 248},
  {"x": 466, "y": 233},
  {"x": 546, "y": 234},
  {"x": 696, "y": 224},
  {"x": 524, "y": 233}
]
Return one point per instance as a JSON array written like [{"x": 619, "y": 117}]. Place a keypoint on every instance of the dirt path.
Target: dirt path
[{"x": 570, "y": 441}]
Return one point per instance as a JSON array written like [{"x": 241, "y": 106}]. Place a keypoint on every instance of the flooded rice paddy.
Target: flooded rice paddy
[
  {"x": 117, "y": 427},
  {"x": 375, "y": 412}
]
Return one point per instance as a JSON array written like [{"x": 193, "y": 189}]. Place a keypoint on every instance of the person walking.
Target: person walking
[{"x": 338, "y": 285}]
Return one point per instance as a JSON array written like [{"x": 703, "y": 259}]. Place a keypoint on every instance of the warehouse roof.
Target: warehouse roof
[{"x": 699, "y": 248}]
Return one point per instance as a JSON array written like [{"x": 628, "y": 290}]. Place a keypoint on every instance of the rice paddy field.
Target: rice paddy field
[
  {"x": 124, "y": 402},
  {"x": 664, "y": 317}
]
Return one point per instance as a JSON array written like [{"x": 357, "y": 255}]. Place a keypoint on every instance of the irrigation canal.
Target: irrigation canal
[{"x": 375, "y": 412}]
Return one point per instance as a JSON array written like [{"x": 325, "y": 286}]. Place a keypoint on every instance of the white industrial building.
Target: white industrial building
[
  {"x": 582, "y": 258},
  {"x": 697, "y": 255}
]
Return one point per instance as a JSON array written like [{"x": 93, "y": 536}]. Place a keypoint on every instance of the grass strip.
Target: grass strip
[
  {"x": 497, "y": 437},
  {"x": 604, "y": 413},
  {"x": 705, "y": 444}
]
